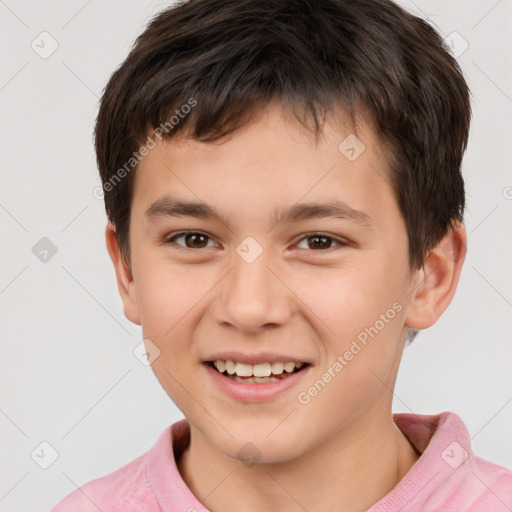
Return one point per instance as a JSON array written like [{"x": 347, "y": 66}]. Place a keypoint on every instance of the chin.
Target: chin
[{"x": 257, "y": 448}]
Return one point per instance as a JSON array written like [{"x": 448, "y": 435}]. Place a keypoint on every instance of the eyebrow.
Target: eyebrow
[{"x": 167, "y": 206}]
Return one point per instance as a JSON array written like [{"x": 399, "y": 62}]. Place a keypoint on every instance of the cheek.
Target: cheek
[
  {"x": 168, "y": 319},
  {"x": 354, "y": 375},
  {"x": 171, "y": 299},
  {"x": 359, "y": 315},
  {"x": 168, "y": 293},
  {"x": 343, "y": 301}
]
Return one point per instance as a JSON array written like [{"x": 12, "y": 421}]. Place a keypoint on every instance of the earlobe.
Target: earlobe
[
  {"x": 124, "y": 277},
  {"x": 433, "y": 286}
]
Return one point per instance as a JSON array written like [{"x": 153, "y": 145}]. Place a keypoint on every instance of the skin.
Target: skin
[{"x": 293, "y": 299}]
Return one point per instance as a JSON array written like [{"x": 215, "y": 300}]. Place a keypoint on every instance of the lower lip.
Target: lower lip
[{"x": 255, "y": 392}]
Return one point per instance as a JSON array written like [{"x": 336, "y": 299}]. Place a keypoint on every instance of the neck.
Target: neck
[{"x": 352, "y": 470}]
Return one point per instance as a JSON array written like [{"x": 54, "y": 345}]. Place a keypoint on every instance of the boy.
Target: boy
[{"x": 312, "y": 149}]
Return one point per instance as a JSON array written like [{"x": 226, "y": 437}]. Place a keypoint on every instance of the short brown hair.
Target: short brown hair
[{"x": 232, "y": 57}]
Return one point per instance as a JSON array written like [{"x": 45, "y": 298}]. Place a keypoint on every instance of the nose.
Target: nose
[{"x": 253, "y": 295}]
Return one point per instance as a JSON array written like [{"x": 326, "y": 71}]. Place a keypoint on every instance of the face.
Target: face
[{"x": 295, "y": 252}]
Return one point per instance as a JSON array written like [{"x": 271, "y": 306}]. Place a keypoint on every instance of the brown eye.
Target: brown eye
[
  {"x": 319, "y": 242},
  {"x": 192, "y": 239},
  {"x": 195, "y": 240}
]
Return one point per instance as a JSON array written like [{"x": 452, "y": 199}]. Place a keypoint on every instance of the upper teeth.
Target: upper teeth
[{"x": 256, "y": 370}]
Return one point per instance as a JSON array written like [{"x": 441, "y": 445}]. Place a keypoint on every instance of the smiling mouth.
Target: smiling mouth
[{"x": 258, "y": 373}]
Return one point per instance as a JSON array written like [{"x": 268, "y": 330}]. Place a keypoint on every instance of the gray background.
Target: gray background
[{"x": 68, "y": 373}]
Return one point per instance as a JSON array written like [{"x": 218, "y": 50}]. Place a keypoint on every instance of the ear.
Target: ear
[
  {"x": 433, "y": 286},
  {"x": 125, "y": 282}
]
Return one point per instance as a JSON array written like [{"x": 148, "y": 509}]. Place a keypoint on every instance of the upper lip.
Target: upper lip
[{"x": 259, "y": 358}]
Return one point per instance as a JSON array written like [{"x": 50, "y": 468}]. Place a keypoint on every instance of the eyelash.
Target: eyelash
[{"x": 340, "y": 242}]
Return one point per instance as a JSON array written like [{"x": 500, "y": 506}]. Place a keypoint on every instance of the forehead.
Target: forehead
[{"x": 271, "y": 161}]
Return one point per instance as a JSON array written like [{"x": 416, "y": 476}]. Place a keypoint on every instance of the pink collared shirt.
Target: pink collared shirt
[{"x": 446, "y": 478}]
